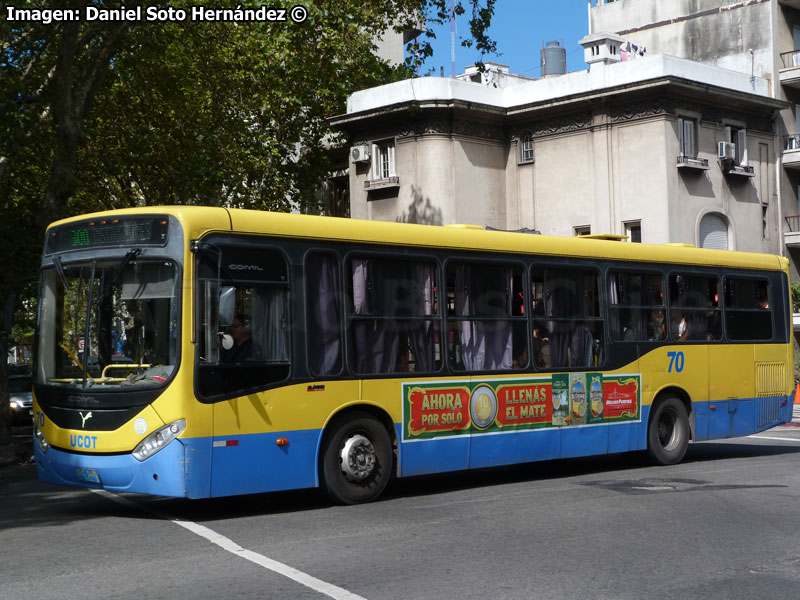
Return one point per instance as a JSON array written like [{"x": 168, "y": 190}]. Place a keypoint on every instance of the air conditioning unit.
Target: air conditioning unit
[
  {"x": 359, "y": 153},
  {"x": 726, "y": 151}
]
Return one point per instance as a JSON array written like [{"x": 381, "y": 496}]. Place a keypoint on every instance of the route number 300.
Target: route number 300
[{"x": 676, "y": 361}]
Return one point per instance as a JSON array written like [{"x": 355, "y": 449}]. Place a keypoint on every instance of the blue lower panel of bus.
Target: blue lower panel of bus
[
  {"x": 162, "y": 474},
  {"x": 495, "y": 449},
  {"x": 194, "y": 467},
  {"x": 248, "y": 464},
  {"x": 739, "y": 417}
]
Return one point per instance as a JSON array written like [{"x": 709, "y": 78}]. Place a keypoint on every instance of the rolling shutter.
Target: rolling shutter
[{"x": 713, "y": 232}]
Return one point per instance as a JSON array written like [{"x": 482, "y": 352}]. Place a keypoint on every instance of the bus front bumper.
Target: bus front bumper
[{"x": 163, "y": 474}]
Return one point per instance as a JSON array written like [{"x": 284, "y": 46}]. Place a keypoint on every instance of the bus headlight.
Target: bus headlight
[
  {"x": 158, "y": 440},
  {"x": 41, "y": 441}
]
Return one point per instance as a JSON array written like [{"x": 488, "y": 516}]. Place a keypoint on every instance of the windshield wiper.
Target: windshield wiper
[
  {"x": 60, "y": 270},
  {"x": 108, "y": 285}
]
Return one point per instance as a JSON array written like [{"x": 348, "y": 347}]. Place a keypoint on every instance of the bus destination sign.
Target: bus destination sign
[{"x": 108, "y": 232}]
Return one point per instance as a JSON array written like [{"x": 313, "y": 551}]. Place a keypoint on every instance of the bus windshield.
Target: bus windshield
[{"x": 110, "y": 323}]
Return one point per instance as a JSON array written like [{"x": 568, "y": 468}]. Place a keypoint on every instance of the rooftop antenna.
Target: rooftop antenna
[{"x": 452, "y": 38}]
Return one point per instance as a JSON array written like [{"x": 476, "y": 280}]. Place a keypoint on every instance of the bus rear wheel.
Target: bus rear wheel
[
  {"x": 668, "y": 432},
  {"x": 356, "y": 459}
]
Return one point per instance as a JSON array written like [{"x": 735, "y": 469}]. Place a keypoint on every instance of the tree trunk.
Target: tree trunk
[{"x": 5, "y": 408}]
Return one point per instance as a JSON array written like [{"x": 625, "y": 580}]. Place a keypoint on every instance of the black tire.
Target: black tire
[
  {"x": 366, "y": 442},
  {"x": 668, "y": 432}
]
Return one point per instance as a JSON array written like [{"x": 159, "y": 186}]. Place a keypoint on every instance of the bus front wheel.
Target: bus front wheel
[
  {"x": 668, "y": 432},
  {"x": 356, "y": 459}
]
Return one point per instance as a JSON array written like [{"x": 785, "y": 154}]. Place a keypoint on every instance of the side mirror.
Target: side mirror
[{"x": 227, "y": 305}]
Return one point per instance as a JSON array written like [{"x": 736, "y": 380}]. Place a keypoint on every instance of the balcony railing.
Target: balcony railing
[
  {"x": 791, "y": 141},
  {"x": 793, "y": 222},
  {"x": 791, "y": 59}
]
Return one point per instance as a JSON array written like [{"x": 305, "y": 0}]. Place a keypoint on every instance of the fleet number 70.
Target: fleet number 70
[{"x": 676, "y": 361}]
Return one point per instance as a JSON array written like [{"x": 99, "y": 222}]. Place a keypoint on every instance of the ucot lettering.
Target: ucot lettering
[{"x": 88, "y": 442}]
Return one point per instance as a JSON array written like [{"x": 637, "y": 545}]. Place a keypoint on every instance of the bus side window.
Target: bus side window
[
  {"x": 393, "y": 316},
  {"x": 567, "y": 320},
  {"x": 747, "y": 309},
  {"x": 252, "y": 350},
  {"x": 636, "y": 306},
  {"x": 695, "y": 309},
  {"x": 486, "y": 320}
]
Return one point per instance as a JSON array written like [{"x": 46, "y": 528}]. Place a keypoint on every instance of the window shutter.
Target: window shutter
[
  {"x": 688, "y": 138},
  {"x": 713, "y": 232},
  {"x": 741, "y": 147}
]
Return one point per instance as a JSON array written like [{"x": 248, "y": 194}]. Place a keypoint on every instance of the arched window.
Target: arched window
[
  {"x": 714, "y": 232},
  {"x": 526, "y": 148}
]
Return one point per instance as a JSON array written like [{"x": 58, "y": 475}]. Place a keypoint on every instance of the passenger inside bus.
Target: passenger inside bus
[
  {"x": 242, "y": 349},
  {"x": 680, "y": 330}
]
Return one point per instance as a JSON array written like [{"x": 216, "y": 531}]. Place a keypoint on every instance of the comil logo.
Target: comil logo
[{"x": 245, "y": 268}]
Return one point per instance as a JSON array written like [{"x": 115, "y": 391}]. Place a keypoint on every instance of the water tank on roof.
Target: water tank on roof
[{"x": 554, "y": 59}]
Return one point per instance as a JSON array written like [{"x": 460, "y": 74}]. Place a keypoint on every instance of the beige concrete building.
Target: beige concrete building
[
  {"x": 623, "y": 148},
  {"x": 628, "y": 147}
]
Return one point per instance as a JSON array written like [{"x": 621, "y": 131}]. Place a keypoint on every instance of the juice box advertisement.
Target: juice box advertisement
[{"x": 560, "y": 399}]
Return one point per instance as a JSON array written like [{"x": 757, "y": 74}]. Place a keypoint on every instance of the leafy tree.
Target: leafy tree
[{"x": 105, "y": 114}]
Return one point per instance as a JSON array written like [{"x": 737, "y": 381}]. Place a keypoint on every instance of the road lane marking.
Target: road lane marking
[
  {"x": 229, "y": 545},
  {"x": 779, "y": 439}
]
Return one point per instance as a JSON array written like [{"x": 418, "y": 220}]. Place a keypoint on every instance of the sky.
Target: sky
[{"x": 521, "y": 28}]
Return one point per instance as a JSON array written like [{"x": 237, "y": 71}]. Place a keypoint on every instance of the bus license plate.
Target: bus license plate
[{"x": 88, "y": 475}]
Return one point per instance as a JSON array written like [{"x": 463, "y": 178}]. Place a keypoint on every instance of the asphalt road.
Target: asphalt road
[{"x": 723, "y": 524}]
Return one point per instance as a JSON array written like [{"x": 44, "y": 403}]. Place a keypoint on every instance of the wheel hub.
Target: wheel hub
[
  {"x": 357, "y": 458},
  {"x": 666, "y": 430}
]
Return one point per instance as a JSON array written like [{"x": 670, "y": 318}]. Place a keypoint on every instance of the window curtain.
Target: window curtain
[
  {"x": 324, "y": 338},
  {"x": 376, "y": 341},
  {"x": 571, "y": 340},
  {"x": 560, "y": 303},
  {"x": 485, "y": 345},
  {"x": 268, "y": 325},
  {"x": 422, "y": 336},
  {"x": 613, "y": 315}
]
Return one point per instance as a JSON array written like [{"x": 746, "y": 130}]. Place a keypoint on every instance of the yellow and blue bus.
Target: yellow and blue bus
[{"x": 203, "y": 351}]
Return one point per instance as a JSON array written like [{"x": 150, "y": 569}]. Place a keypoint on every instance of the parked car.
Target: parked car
[{"x": 21, "y": 396}]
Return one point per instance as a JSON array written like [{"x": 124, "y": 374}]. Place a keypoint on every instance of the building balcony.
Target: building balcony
[
  {"x": 791, "y": 151},
  {"x": 731, "y": 168},
  {"x": 790, "y": 73},
  {"x": 382, "y": 184},
  {"x": 691, "y": 163},
  {"x": 791, "y": 237}
]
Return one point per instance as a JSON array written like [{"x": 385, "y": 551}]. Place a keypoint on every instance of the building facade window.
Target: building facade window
[
  {"x": 526, "y": 148},
  {"x": 582, "y": 230},
  {"x": 383, "y": 160},
  {"x": 633, "y": 229},
  {"x": 687, "y": 130},
  {"x": 714, "y": 232},
  {"x": 738, "y": 137}
]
